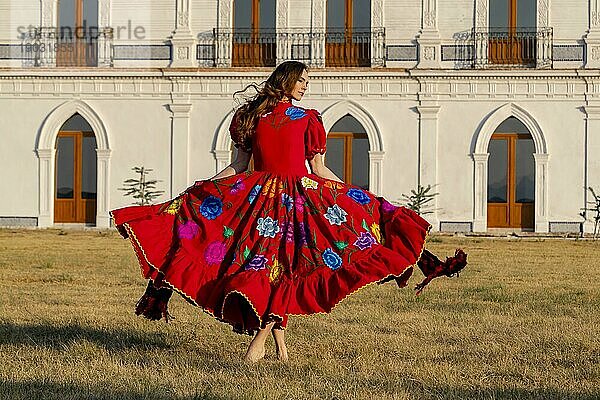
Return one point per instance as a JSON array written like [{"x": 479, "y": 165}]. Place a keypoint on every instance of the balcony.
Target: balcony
[
  {"x": 318, "y": 48},
  {"x": 53, "y": 47},
  {"x": 522, "y": 48}
]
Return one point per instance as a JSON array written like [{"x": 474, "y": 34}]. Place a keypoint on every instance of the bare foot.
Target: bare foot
[
  {"x": 281, "y": 348},
  {"x": 255, "y": 352}
]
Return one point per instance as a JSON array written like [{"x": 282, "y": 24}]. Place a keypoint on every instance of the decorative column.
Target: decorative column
[
  {"x": 46, "y": 159},
  {"x": 103, "y": 189},
  {"x": 48, "y": 33},
  {"x": 541, "y": 193},
  {"x": 183, "y": 42},
  {"x": 480, "y": 189},
  {"x": 592, "y": 156},
  {"x": 481, "y": 33},
  {"x": 317, "y": 43},
  {"x": 282, "y": 38},
  {"x": 180, "y": 134},
  {"x": 428, "y": 133},
  {"x": 592, "y": 38},
  {"x": 377, "y": 35},
  {"x": 430, "y": 49},
  {"x": 375, "y": 169},
  {"x": 223, "y": 36},
  {"x": 544, "y": 41},
  {"x": 105, "y": 34}
]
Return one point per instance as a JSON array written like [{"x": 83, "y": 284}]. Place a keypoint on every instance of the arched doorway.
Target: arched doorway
[
  {"x": 348, "y": 151},
  {"x": 511, "y": 177},
  {"x": 75, "y": 173}
]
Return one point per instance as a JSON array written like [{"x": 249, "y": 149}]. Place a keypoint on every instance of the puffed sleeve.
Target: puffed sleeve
[
  {"x": 315, "y": 141},
  {"x": 245, "y": 145}
]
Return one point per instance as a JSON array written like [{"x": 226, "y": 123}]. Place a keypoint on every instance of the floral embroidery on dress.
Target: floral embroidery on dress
[
  {"x": 211, "y": 207},
  {"x": 287, "y": 201},
  {"x": 237, "y": 186},
  {"x": 187, "y": 230},
  {"x": 267, "y": 227},
  {"x": 332, "y": 259},
  {"x": 308, "y": 183},
  {"x": 359, "y": 196},
  {"x": 295, "y": 113},
  {"x": 388, "y": 207},
  {"x": 333, "y": 185},
  {"x": 227, "y": 232},
  {"x": 302, "y": 234},
  {"x": 299, "y": 203},
  {"x": 254, "y": 192},
  {"x": 257, "y": 262},
  {"x": 215, "y": 252},
  {"x": 335, "y": 215},
  {"x": 276, "y": 270},
  {"x": 272, "y": 187},
  {"x": 341, "y": 245},
  {"x": 376, "y": 231},
  {"x": 287, "y": 231},
  {"x": 365, "y": 241},
  {"x": 174, "y": 206}
]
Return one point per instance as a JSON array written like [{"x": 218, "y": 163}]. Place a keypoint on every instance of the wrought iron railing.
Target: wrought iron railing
[
  {"x": 60, "y": 47},
  {"x": 518, "y": 48},
  {"x": 321, "y": 48}
]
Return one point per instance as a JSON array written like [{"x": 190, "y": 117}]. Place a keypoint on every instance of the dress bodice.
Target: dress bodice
[{"x": 285, "y": 137}]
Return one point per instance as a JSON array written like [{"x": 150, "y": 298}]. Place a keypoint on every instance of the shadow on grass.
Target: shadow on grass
[
  {"x": 57, "y": 337},
  {"x": 42, "y": 389}
]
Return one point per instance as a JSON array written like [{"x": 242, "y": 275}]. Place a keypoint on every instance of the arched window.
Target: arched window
[
  {"x": 78, "y": 33},
  {"x": 512, "y": 30},
  {"x": 511, "y": 177},
  {"x": 254, "y": 33},
  {"x": 348, "y": 38},
  {"x": 75, "y": 198},
  {"x": 348, "y": 151}
]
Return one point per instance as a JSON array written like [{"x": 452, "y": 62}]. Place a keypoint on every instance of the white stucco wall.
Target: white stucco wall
[
  {"x": 402, "y": 20},
  {"x": 15, "y": 14},
  {"x": 203, "y": 15},
  {"x": 454, "y": 17},
  {"x": 157, "y": 17},
  {"x": 571, "y": 22}
]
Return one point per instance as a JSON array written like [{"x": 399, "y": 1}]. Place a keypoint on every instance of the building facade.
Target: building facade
[{"x": 495, "y": 103}]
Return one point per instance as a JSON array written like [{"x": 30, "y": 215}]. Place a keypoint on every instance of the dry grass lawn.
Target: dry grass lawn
[{"x": 522, "y": 322}]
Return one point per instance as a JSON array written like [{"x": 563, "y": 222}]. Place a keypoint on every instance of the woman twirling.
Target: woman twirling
[{"x": 253, "y": 248}]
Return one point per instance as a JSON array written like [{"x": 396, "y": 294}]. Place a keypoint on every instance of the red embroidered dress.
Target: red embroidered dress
[{"x": 260, "y": 246}]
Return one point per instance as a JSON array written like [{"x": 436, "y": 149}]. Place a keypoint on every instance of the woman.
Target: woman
[{"x": 252, "y": 248}]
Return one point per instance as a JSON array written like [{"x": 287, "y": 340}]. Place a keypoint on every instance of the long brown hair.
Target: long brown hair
[{"x": 280, "y": 83}]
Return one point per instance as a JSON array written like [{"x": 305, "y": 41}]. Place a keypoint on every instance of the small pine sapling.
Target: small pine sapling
[
  {"x": 419, "y": 199},
  {"x": 141, "y": 188}
]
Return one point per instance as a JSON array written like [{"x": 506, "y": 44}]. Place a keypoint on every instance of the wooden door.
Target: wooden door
[
  {"x": 347, "y": 156},
  {"x": 77, "y": 44},
  {"x": 254, "y": 36},
  {"x": 75, "y": 180},
  {"x": 512, "y": 38},
  {"x": 511, "y": 182},
  {"x": 347, "y": 40}
]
